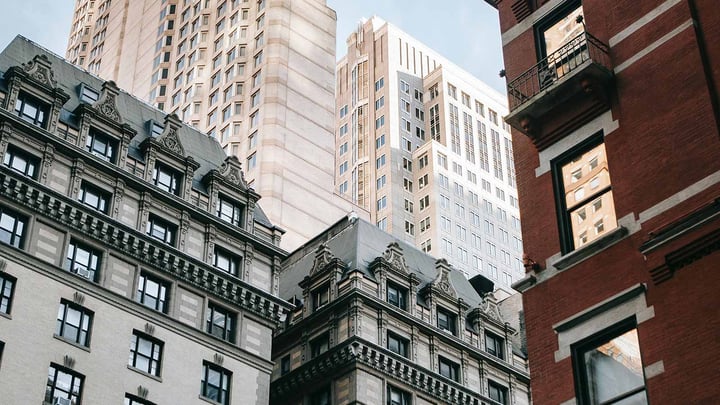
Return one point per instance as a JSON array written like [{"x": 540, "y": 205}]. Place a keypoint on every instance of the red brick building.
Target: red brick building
[{"x": 616, "y": 135}]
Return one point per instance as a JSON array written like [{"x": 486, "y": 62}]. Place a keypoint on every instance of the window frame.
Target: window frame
[
  {"x": 501, "y": 390},
  {"x": 499, "y": 344},
  {"x": 223, "y": 387},
  {"x": 234, "y": 261},
  {"x": 6, "y": 293},
  {"x": 236, "y": 216},
  {"x": 95, "y": 137},
  {"x": 16, "y": 237},
  {"x": 154, "y": 358},
  {"x": 320, "y": 296},
  {"x": 84, "y": 327},
  {"x": 131, "y": 399},
  {"x": 32, "y": 162},
  {"x": 564, "y": 215},
  {"x": 401, "y": 293},
  {"x": 175, "y": 186},
  {"x": 92, "y": 267},
  {"x": 555, "y": 16},
  {"x": 163, "y": 298},
  {"x": 451, "y": 320},
  {"x": 578, "y": 349},
  {"x": 453, "y": 367},
  {"x": 104, "y": 197},
  {"x": 403, "y": 346},
  {"x": 169, "y": 232},
  {"x": 51, "y": 384},
  {"x": 405, "y": 396},
  {"x": 319, "y": 345},
  {"x": 25, "y": 98},
  {"x": 228, "y": 330}
]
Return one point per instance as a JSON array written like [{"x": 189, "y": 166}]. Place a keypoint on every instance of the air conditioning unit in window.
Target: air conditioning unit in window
[
  {"x": 62, "y": 401},
  {"x": 82, "y": 272}
]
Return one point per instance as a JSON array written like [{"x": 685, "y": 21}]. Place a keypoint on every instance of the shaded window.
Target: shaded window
[
  {"x": 397, "y": 344},
  {"x": 101, "y": 145},
  {"x": 396, "y": 396},
  {"x": 397, "y": 296},
  {"x": 215, "y": 383},
  {"x": 161, "y": 230},
  {"x": 608, "y": 367},
  {"x": 494, "y": 345},
  {"x": 321, "y": 296},
  {"x": 321, "y": 396},
  {"x": 166, "y": 178},
  {"x": 74, "y": 323},
  {"x": 497, "y": 392},
  {"x": 226, "y": 261},
  {"x": 285, "y": 365},
  {"x": 449, "y": 369},
  {"x": 7, "y": 288},
  {"x": 94, "y": 197},
  {"x": 145, "y": 353},
  {"x": 82, "y": 260},
  {"x": 32, "y": 110},
  {"x": 152, "y": 292},
  {"x": 446, "y": 320},
  {"x": 319, "y": 345},
  {"x": 64, "y": 386},
  {"x": 12, "y": 228},
  {"x": 220, "y": 322},
  {"x": 230, "y": 211},
  {"x": 21, "y": 161}
]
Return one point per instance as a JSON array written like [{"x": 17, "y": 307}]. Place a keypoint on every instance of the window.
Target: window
[
  {"x": 220, "y": 323},
  {"x": 161, "y": 230},
  {"x": 215, "y": 383},
  {"x": 21, "y": 161},
  {"x": 145, "y": 353},
  {"x": 88, "y": 95},
  {"x": 152, "y": 292},
  {"x": 74, "y": 323},
  {"x": 32, "y": 110},
  {"x": 397, "y": 344},
  {"x": 166, "y": 179},
  {"x": 226, "y": 261},
  {"x": 446, "y": 320},
  {"x": 497, "y": 392},
  {"x": 608, "y": 367},
  {"x": 320, "y": 297},
  {"x": 494, "y": 345},
  {"x": 229, "y": 211},
  {"x": 397, "y": 296},
  {"x": 319, "y": 345},
  {"x": 379, "y": 83},
  {"x": 380, "y": 162},
  {"x": 559, "y": 29},
  {"x": 321, "y": 396},
  {"x": 285, "y": 365},
  {"x": 12, "y": 228},
  {"x": 135, "y": 400},
  {"x": 381, "y": 182},
  {"x": 587, "y": 212},
  {"x": 7, "y": 287},
  {"x": 101, "y": 145},
  {"x": 449, "y": 369},
  {"x": 82, "y": 260},
  {"x": 64, "y": 386},
  {"x": 381, "y": 203},
  {"x": 396, "y": 396},
  {"x": 94, "y": 197}
]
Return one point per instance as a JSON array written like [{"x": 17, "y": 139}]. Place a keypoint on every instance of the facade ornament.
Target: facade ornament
[
  {"x": 443, "y": 282},
  {"x": 48, "y": 159},
  {"x": 107, "y": 102},
  {"x": 118, "y": 195},
  {"x": 149, "y": 329},
  {"x": 231, "y": 172},
  {"x": 142, "y": 392},
  {"x": 78, "y": 298},
  {"x": 394, "y": 255},
  {"x": 40, "y": 70},
  {"x": 323, "y": 257},
  {"x": 489, "y": 307},
  {"x": 68, "y": 361},
  {"x": 218, "y": 359}
]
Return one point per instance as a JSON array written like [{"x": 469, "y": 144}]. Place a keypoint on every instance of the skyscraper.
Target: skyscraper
[
  {"x": 421, "y": 144},
  {"x": 256, "y": 75}
]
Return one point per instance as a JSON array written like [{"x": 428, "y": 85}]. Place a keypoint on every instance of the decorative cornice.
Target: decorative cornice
[
  {"x": 357, "y": 352},
  {"x": 139, "y": 246},
  {"x": 689, "y": 253}
]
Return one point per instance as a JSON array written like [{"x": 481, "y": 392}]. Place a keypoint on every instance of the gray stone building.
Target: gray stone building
[
  {"x": 135, "y": 263},
  {"x": 377, "y": 321}
]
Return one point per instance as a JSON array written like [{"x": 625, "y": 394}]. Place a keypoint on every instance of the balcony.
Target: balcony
[{"x": 561, "y": 92}]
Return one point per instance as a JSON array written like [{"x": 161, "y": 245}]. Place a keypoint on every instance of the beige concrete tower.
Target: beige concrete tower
[
  {"x": 256, "y": 75},
  {"x": 421, "y": 144}
]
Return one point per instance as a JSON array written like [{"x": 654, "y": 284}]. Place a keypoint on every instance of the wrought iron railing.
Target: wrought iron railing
[{"x": 548, "y": 71}]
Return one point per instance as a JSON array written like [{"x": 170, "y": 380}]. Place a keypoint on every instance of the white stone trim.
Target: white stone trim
[
  {"x": 679, "y": 197},
  {"x": 654, "y": 369},
  {"x": 519, "y": 28},
  {"x": 642, "y": 21},
  {"x": 603, "y": 122},
  {"x": 665, "y": 38},
  {"x": 569, "y": 402},
  {"x": 626, "y": 308}
]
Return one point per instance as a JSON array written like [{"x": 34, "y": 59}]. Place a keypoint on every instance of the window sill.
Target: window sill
[
  {"x": 72, "y": 343},
  {"x": 208, "y": 400},
  {"x": 146, "y": 374},
  {"x": 4, "y": 315},
  {"x": 589, "y": 250}
]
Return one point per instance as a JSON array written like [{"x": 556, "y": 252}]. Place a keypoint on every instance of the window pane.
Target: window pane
[
  {"x": 615, "y": 368},
  {"x": 562, "y": 31}
]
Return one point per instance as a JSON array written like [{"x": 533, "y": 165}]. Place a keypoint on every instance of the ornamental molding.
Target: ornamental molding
[
  {"x": 443, "y": 283},
  {"x": 394, "y": 256},
  {"x": 40, "y": 70},
  {"x": 323, "y": 257},
  {"x": 106, "y": 104}
]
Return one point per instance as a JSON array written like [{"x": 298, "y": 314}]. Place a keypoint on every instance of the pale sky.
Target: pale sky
[{"x": 464, "y": 31}]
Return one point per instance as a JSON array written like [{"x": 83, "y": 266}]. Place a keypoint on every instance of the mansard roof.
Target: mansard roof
[
  {"x": 358, "y": 243},
  {"x": 134, "y": 112}
]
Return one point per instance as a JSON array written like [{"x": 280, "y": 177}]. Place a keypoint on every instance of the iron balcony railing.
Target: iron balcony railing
[{"x": 560, "y": 63}]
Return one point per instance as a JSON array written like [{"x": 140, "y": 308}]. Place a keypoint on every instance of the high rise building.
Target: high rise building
[
  {"x": 421, "y": 144},
  {"x": 377, "y": 321},
  {"x": 135, "y": 264},
  {"x": 614, "y": 106},
  {"x": 256, "y": 75}
]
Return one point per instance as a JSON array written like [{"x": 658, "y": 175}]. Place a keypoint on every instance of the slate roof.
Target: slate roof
[
  {"x": 205, "y": 150},
  {"x": 357, "y": 243}
]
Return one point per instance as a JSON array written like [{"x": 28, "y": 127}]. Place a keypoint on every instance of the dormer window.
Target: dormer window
[
  {"x": 32, "y": 110},
  {"x": 156, "y": 129},
  {"x": 320, "y": 297},
  {"x": 166, "y": 179},
  {"x": 230, "y": 211},
  {"x": 101, "y": 145},
  {"x": 446, "y": 320},
  {"x": 494, "y": 345},
  {"x": 397, "y": 296},
  {"x": 88, "y": 94}
]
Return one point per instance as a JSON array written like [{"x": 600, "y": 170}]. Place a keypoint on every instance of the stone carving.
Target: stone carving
[
  {"x": 490, "y": 308},
  {"x": 323, "y": 257},
  {"x": 171, "y": 142},
  {"x": 394, "y": 255},
  {"x": 442, "y": 282},
  {"x": 107, "y": 103},
  {"x": 40, "y": 70},
  {"x": 231, "y": 171}
]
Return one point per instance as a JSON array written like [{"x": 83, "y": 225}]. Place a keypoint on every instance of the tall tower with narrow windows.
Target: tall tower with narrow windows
[{"x": 256, "y": 75}]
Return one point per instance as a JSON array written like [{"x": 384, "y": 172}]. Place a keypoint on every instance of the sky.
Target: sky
[{"x": 464, "y": 31}]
